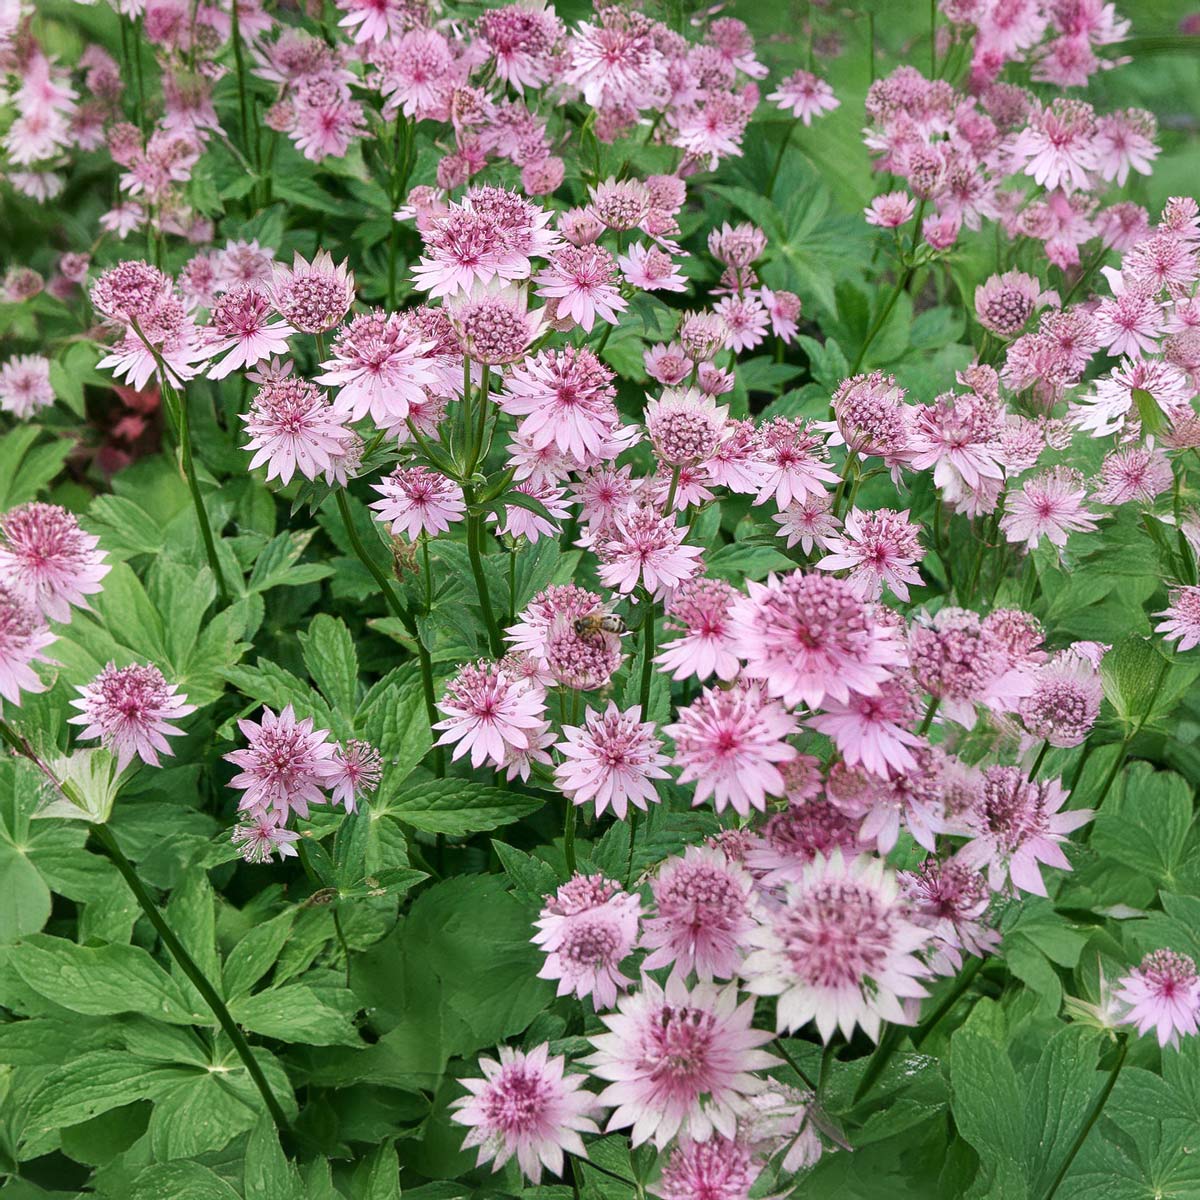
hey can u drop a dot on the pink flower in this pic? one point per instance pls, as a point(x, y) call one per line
point(376, 20)
point(912, 798)
point(415, 73)
point(523, 522)
point(495, 328)
point(871, 729)
point(1004, 303)
point(746, 321)
point(293, 426)
point(49, 559)
point(890, 211)
point(587, 929)
point(949, 899)
point(876, 548)
point(242, 330)
point(610, 760)
point(699, 609)
point(526, 1106)
point(129, 710)
point(359, 769)
point(1015, 825)
point(730, 743)
point(616, 61)
point(1163, 994)
point(1131, 322)
point(381, 365)
point(811, 636)
point(312, 297)
point(667, 364)
point(285, 766)
point(259, 835)
point(565, 398)
point(809, 522)
point(718, 1169)
point(806, 95)
point(553, 630)
point(1064, 701)
point(580, 284)
point(23, 636)
point(651, 269)
point(793, 460)
point(783, 308)
point(1049, 505)
point(1182, 615)
point(646, 548)
point(1058, 147)
point(130, 291)
point(685, 426)
point(487, 712)
point(522, 41)
point(703, 915)
point(1124, 141)
point(25, 385)
point(870, 414)
point(417, 500)
point(840, 951)
point(959, 437)
point(678, 1060)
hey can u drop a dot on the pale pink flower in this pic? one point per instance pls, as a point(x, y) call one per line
point(286, 765)
point(871, 729)
point(912, 798)
point(292, 426)
point(1064, 701)
point(717, 1169)
point(651, 269)
point(417, 500)
point(586, 930)
point(677, 1060)
point(735, 463)
point(685, 426)
point(646, 548)
point(25, 385)
point(1163, 994)
point(809, 522)
point(521, 522)
point(699, 610)
point(1137, 473)
point(130, 709)
point(580, 284)
point(495, 327)
point(703, 914)
point(746, 321)
point(949, 899)
point(701, 335)
point(553, 630)
point(1004, 303)
point(783, 308)
point(241, 329)
point(959, 437)
point(616, 60)
point(24, 636)
point(374, 20)
point(610, 760)
point(527, 1107)
point(1049, 505)
point(416, 72)
point(1058, 146)
point(488, 710)
point(891, 210)
point(1016, 824)
point(730, 744)
point(1182, 615)
point(522, 41)
point(381, 365)
point(1125, 141)
point(49, 559)
point(794, 462)
point(812, 636)
point(359, 769)
point(876, 548)
point(312, 297)
point(667, 364)
point(258, 835)
point(840, 951)
point(806, 95)
point(1110, 406)
point(870, 415)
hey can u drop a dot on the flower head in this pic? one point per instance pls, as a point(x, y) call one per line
point(417, 500)
point(1182, 623)
point(699, 609)
point(876, 548)
point(806, 95)
point(555, 630)
point(259, 835)
point(312, 297)
point(241, 329)
point(580, 283)
point(794, 464)
point(717, 1169)
point(1163, 994)
point(24, 636)
point(25, 385)
point(685, 426)
point(359, 769)
point(1049, 505)
point(647, 548)
point(488, 711)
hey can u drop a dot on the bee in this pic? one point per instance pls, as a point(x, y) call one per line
point(599, 622)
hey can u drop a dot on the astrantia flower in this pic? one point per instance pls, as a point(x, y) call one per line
point(417, 500)
point(718, 1169)
point(651, 269)
point(746, 321)
point(488, 711)
point(685, 426)
point(130, 291)
point(646, 548)
point(526, 1106)
point(520, 522)
point(890, 211)
point(521, 40)
point(611, 760)
point(286, 764)
point(359, 769)
point(699, 609)
point(1162, 994)
point(1133, 473)
point(871, 729)
point(381, 365)
point(678, 1060)
point(241, 328)
point(811, 636)
point(130, 709)
point(1049, 505)
point(580, 283)
point(1064, 701)
point(49, 559)
point(312, 297)
point(259, 835)
point(1182, 615)
point(949, 899)
point(24, 635)
point(871, 415)
point(809, 522)
point(292, 426)
point(495, 327)
point(702, 916)
point(959, 437)
point(1017, 824)
point(616, 60)
point(793, 460)
point(25, 385)
point(587, 929)
point(1058, 146)
point(840, 951)
point(730, 744)
point(552, 631)
point(806, 95)
point(1004, 303)
point(1131, 322)
point(876, 548)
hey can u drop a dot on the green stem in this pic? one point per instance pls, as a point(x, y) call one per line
point(474, 530)
point(1129, 737)
point(189, 469)
point(791, 1062)
point(569, 836)
point(881, 319)
point(235, 34)
point(927, 720)
point(1037, 762)
point(783, 145)
point(671, 492)
point(1092, 1117)
point(188, 965)
point(633, 825)
point(647, 657)
point(932, 39)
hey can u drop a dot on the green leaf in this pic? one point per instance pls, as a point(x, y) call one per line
point(1132, 673)
point(279, 563)
point(1144, 823)
point(25, 466)
point(199, 1113)
point(332, 661)
point(458, 807)
point(1149, 413)
point(255, 954)
point(295, 1013)
point(267, 1174)
point(174, 1180)
point(741, 561)
point(531, 877)
point(26, 905)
